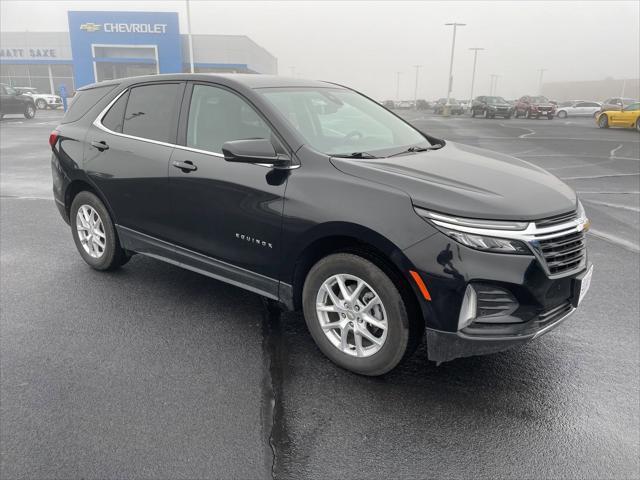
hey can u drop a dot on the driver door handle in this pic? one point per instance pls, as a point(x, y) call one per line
point(186, 166)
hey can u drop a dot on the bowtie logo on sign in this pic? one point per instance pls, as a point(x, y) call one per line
point(90, 27)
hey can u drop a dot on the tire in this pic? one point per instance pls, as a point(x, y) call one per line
point(550, 116)
point(507, 117)
point(397, 340)
point(111, 255)
point(638, 125)
point(473, 113)
point(485, 113)
point(41, 104)
point(603, 121)
point(562, 114)
point(29, 111)
point(527, 114)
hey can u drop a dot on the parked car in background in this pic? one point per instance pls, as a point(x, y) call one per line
point(390, 104)
point(617, 103)
point(491, 107)
point(628, 117)
point(534, 107)
point(42, 100)
point(454, 106)
point(423, 105)
point(381, 234)
point(578, 108)
point(404, 105)
point(11, 101)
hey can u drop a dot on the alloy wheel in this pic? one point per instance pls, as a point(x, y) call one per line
point(352, 315)
point(91, 231)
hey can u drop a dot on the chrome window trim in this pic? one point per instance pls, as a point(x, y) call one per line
point(530, 236)
point(98, 124)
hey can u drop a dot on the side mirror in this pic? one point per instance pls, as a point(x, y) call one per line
point(254, 150)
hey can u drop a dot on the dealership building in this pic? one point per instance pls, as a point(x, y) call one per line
point(105, 45)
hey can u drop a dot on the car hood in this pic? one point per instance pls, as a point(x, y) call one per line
point(542, 105)
point(469, 182)
point(498, 105)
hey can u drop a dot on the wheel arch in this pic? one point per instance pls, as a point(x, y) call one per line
point(83, 185)
point(359, 240)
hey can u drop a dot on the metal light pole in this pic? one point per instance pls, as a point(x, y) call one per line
point(453, 47)
point(494, 83)
point(415, 92)
point(541, 70)
point(189, 37)
point(473, 75)
point(398, 86)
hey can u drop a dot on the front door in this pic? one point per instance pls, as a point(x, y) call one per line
point(227, 212)
point(10, 103)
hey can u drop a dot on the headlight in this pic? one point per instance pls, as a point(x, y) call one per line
point(458, 228)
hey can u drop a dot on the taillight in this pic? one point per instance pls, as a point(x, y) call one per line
point(53, 138)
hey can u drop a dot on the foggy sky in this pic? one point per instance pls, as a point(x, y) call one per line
point(362, 44)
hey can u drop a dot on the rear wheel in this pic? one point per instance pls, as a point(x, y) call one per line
point(638, 125)
point(94, 233)
point(603, 121)
point(356, 315)
point(29, 111)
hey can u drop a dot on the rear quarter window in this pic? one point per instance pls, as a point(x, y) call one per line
point(83, 101)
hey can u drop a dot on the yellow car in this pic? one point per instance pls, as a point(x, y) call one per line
point(628, 117)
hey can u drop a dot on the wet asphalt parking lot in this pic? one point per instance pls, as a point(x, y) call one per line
point(156, 372)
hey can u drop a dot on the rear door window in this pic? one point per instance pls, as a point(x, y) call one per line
point(151, 112)
point(85, 100)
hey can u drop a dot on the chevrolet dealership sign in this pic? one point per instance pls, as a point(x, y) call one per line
point(125, 27)
point(119, 30)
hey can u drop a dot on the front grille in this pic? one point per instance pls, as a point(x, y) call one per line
point(563, 253)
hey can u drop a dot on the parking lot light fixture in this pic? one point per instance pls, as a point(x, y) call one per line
point(473, 74)
point(455, 25)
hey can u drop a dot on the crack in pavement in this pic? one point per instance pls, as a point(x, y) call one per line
point(273, 424)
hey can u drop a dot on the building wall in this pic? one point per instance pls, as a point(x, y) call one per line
point(228, 53)
point(597, 90)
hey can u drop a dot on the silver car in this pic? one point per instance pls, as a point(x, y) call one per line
point(578, 108)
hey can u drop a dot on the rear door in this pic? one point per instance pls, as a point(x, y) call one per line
point(230, 212)
point(127, 154)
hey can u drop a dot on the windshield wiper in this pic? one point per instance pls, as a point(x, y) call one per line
point(355, 155)
point(415, 149)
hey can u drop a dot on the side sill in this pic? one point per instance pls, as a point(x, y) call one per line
point(196, 262)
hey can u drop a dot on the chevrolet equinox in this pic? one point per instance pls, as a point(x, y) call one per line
point(315, 196)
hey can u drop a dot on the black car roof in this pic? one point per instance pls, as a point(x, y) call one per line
point(247, 80)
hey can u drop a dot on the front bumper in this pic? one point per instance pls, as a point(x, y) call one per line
point(516, 300)
point(445, 346)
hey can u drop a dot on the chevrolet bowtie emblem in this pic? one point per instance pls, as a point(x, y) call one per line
point(90, 27)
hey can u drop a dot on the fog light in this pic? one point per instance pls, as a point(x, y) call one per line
point(468, 308)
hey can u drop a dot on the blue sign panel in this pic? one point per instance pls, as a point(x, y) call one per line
point(151, 38)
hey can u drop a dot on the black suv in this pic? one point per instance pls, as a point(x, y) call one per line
point(11, 101)
point(491, 107)
point(315, 196)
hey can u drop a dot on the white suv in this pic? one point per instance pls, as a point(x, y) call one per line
point(42, 100)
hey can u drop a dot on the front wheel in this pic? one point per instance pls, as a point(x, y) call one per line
point(473, 113)
point(29, 111)
point(41, 104)
point(562, 114)
point(356, 315)
point(94, 233)
point(550, 116)
point(603, 121)
point(638, 125)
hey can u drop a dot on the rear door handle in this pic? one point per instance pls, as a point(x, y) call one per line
point(186, 166)
point(101, 146)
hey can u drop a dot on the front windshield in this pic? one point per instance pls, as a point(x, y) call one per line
point(496, 100)
point(539, 100)
point(338, 121)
